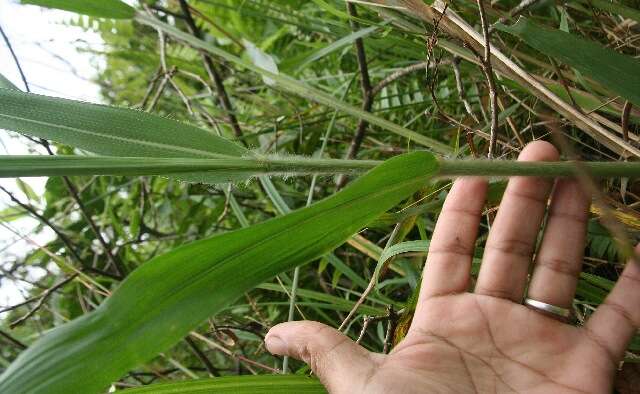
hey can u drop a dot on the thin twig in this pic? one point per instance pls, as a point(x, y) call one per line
point(624, 122)
point(115, 261)
point(488, 71)
point(213, 73)
point(15, 59)
point(461, 90)
point(512, 125)
point(564, 83)
point(515, 11)
point(391, 329)
point(12, 340)
point(41, 300)
point(213, 371)
point(150, 88)
point(367, 96)
point(232, 354)
point(374, 279)
point(67, 242)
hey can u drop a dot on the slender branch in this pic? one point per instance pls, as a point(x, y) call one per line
point(461, 90)
point(367, 96)
point(488, 71)
point(393, 238)
point(150, 88)
point(231, 354)
point(624, 122)
point(15, 59)
point(213, 371)
point(564, 83)
point(524, 4)
point(213, 73)
point(67, 242)
point(41, 300)
point(117, 264)
point(12, 340)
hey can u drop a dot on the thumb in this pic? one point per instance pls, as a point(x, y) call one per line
point(340, 364)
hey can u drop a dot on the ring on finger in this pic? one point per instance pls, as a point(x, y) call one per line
point(556, 312)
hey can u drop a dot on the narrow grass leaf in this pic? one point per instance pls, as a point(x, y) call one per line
point(336, 45)
point(614, 8)
point(617, 72)
point(160, 302)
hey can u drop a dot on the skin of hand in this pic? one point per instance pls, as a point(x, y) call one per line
point(486, 341)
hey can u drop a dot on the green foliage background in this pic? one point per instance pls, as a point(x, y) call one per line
point(312, 41)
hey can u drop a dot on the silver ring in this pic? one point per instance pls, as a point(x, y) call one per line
point(562, 314)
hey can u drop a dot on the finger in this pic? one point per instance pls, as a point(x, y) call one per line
point(448, 265)
point(559, 260)
point(618, 318)
point(332, 356)
point(512, 238)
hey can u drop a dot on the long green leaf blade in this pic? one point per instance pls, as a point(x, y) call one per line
point(613, 70)
point(336, 45)
point(108, 130)
point(160, 302)
point(610, 6)
point(272, 384)
point(99, 8)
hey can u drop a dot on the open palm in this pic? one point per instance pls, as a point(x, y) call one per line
point(487, 341)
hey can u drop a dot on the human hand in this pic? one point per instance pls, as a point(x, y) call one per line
point(487, 341)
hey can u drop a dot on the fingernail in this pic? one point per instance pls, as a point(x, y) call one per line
point(275, 345)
